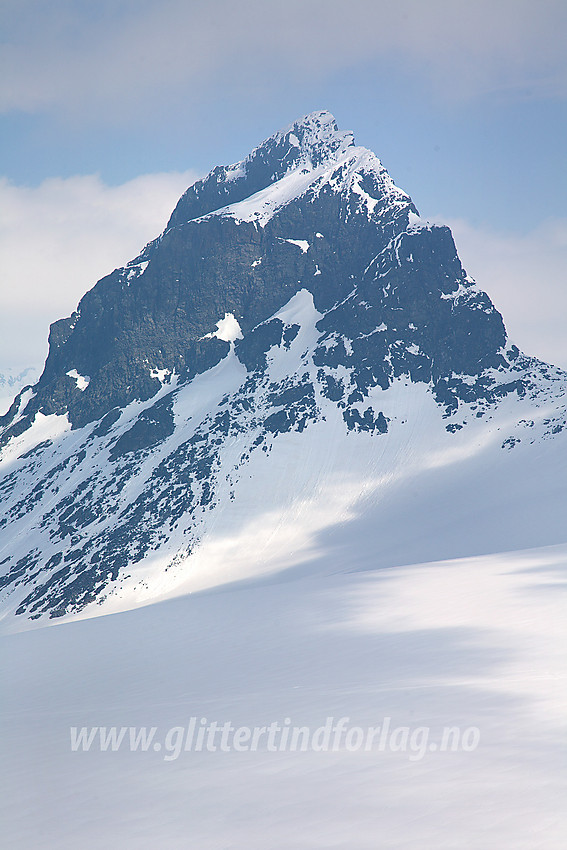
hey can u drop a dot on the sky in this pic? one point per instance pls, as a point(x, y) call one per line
point(109, 110)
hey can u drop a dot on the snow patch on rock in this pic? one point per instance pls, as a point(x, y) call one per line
point(82, 381)
point(228, 329)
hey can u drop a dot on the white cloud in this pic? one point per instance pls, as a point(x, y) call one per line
point(58, 239)
point(526, 278)
point(129, 55)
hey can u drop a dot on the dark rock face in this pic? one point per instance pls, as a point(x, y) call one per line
point(316, 219)
point(151, 427)
point(414, 312)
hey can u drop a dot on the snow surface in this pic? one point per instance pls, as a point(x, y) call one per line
point(43, 428)
point(477, 642)
point(234, 172)
point(161, 374)
point(228, 329)
point(415, 222)
point(301, 243)
point(135, 270)
point(82, 381)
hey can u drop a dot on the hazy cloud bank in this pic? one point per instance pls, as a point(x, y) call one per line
point(111, 58)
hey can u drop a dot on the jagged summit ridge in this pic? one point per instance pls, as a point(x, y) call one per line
point(311, 140)
point(311, 152)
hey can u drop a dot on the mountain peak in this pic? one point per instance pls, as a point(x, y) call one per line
point(313, 138)
point(307, 143)
point(296, 331)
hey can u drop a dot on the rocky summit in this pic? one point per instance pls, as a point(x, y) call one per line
point(296, 348)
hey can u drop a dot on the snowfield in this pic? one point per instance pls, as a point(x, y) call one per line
point(475, 642)
point(402, 581)
point(305, 602)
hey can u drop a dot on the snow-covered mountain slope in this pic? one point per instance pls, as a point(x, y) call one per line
point(298, 354)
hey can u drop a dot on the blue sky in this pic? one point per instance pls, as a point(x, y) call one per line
point(110, 109)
